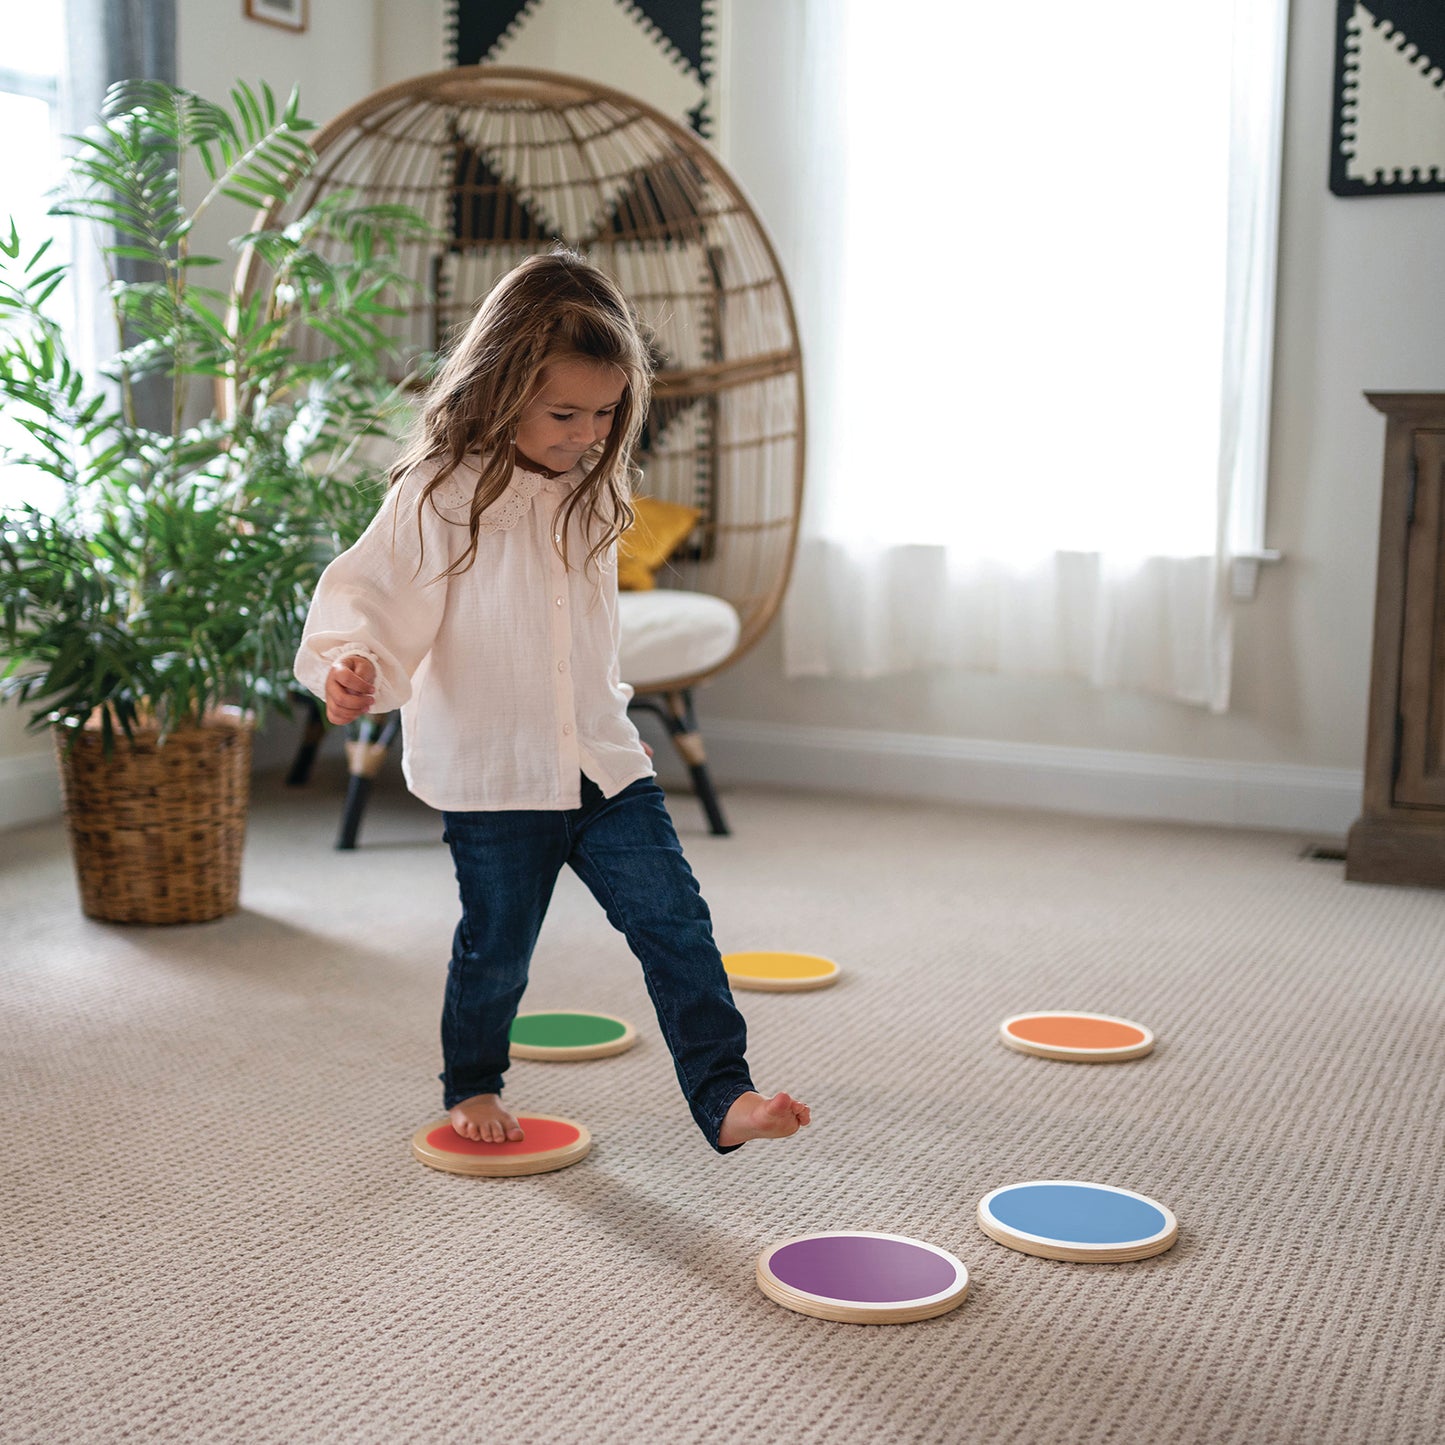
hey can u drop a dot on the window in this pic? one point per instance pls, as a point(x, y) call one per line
point(1043, 244)
point(1040, 264)
point(30, 168)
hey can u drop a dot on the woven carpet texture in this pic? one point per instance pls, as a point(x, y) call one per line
point(212, 1228)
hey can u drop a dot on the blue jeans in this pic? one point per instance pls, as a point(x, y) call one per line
point(627, 853)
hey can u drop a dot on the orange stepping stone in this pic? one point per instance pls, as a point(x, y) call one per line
point(1079, 1038)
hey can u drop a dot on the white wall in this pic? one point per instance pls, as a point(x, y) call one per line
point(29, 787)
point(333, 60)
point(1359, 307)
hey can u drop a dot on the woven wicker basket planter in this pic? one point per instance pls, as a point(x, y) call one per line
point(157, 828)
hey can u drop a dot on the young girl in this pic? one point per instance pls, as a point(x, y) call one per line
point(482, 601)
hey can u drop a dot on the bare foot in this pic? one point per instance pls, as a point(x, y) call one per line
point(483, 1118)
point(754, 1117)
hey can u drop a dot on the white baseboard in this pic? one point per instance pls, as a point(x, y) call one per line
point(1322, 801)
point(29, 789)
point(1318, 801)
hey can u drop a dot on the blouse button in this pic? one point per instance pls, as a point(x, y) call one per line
point(561, 667)
point(559, 602)
point(567, 729)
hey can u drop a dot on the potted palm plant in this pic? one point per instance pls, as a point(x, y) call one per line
point(151, 616)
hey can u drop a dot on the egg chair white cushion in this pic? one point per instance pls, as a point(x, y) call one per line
point(668, 635)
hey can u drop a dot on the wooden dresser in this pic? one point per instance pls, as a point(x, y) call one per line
point(1400, 835)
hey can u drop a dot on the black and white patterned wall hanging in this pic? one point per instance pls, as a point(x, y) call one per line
point(1389, 104)
point(660, 52)
point(657, 50)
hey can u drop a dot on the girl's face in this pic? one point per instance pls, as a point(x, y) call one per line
point(571, 412)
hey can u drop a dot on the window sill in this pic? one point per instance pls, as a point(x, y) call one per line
point(1244, 572)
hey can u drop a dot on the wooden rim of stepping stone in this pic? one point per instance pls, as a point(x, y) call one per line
point(861, 1276)
point(1076, 1038)
point(550, 1143)
point(780, 972)
point(568, 1035)
point(1075, 1220)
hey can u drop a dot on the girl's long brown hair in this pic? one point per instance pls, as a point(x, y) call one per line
point(556, 307)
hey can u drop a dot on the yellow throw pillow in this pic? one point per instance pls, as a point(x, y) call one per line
point(657, 531)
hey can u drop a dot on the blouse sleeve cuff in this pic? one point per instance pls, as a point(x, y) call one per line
point(314, 663)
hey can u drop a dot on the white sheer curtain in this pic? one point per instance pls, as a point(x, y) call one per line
point(1036, 291)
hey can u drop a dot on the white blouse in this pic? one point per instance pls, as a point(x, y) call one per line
point(506, 674)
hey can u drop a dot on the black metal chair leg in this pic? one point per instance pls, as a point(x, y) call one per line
point(677, 716)
point(364, 757)
point(358, 790)
point(707, 796)
point(311, 736)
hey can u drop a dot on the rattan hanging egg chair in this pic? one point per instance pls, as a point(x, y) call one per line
point(506, 162)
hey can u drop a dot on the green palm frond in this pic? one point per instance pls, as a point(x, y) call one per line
point(176, 574)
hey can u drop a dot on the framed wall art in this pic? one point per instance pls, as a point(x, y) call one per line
point(288, 14)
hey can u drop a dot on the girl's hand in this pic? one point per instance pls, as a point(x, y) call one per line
point(350, 689)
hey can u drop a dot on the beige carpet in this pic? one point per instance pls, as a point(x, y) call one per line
point(211, 1227)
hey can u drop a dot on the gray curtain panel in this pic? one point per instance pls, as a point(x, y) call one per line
point(110, 40)
point(107, 41)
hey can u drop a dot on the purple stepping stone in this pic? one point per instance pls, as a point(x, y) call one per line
point(863, 1268)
